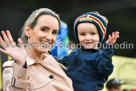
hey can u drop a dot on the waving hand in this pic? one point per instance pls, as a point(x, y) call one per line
point(10, 48)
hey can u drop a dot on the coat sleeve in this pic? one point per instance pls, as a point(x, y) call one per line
point(15, 77)
point(104, 60)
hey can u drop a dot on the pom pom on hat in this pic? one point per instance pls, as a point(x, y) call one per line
point(93, 17)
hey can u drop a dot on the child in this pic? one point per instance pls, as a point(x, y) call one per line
point(88, 66)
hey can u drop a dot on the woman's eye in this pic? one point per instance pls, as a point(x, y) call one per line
point(44, 29)
point(54, 32)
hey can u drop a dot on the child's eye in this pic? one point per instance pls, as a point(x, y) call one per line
point(82, 34)
point(93, 33)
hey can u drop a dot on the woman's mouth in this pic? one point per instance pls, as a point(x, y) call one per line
point(44, 45)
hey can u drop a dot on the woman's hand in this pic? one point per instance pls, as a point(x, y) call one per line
point(10, 48)
point(112, 38)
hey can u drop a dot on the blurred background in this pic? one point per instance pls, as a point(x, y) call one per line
point(120, 13)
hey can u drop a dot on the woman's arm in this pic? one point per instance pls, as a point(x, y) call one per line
point(15, 77)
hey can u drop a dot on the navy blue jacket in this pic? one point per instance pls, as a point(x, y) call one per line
point(89, 69)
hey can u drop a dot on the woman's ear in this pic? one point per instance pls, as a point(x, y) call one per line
point(27, 30)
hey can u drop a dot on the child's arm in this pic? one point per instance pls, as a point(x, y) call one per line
point(104, 59)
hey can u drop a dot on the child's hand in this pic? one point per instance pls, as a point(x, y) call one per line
point(112, 39)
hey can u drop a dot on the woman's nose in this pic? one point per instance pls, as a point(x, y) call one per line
point(49, 36)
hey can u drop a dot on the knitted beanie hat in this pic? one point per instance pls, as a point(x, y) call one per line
point(93, 17)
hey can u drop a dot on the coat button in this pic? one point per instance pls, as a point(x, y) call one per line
point(51, 76)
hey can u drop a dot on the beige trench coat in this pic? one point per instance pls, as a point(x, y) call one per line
point(38, 76)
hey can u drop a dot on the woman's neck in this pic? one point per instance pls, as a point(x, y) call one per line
point(35, 55)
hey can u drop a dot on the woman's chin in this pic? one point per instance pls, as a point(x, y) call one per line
point(45, 50)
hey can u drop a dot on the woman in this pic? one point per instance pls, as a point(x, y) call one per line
point(32, 68)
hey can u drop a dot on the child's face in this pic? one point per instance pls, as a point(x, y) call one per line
point(88, 35)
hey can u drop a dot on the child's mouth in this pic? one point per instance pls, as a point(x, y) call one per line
point(88, 42)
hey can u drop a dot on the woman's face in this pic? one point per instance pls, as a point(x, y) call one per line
point(43, 35)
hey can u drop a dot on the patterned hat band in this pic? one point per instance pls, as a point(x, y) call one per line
point(98, 20)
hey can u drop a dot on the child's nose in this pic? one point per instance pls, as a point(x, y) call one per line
point(88, 37)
